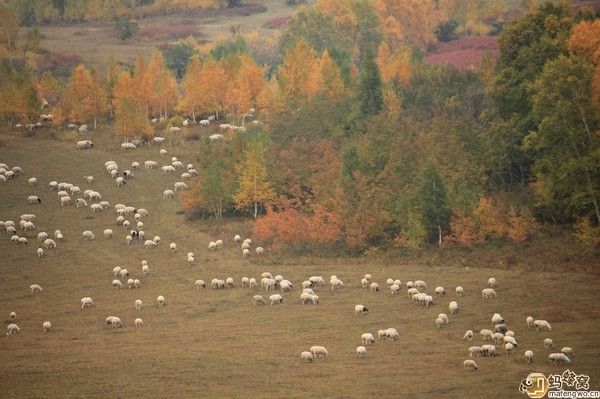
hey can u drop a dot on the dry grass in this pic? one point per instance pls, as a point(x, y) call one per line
point(215, 343)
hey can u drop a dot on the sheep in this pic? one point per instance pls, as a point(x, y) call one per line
point(115, 322)
point(440, 291)
point(215, 137)
point(253, 283)
point(190, 260)
point(58, 235)
point(485, 334)
point(156, 239)
point(79, 202)
point(138, 323)
point(177, 164)
point(453, 307)
point(13, 316)
point(305, 298)
point(558, 358)
point(510, 333)
point(35, 288)
point(40, 253)
point(474, 350)
point(470, 365)
point(123, 273)
point(199, 284)
point(529, 321)
point(420, 285)
point(83, 128)
point(33, 199)
point(398, 282)
point(529, 356)
point(306, 356)
point(12, 328)
point(145, 269)
point(361, 351)
point(444, 317)
point(108, 233)
point(128, 146)
point(497, 319)
point(138, 304)
point(439, 323)
point(86, 302)
point(412, 292)
point(276, 299)
point(258, 300)
point(88, 179)
point(85, 145)
point(319, 352)
point(130, 283)
point(32, 182)
point(179, 186)
point(229, 282)
point(53, 185)
point(492, 282)
point(160, 301)
point(374, 287)
point(260, 250)
point(542, 325)
point(336, 283)
point(361, 309)
point(316, 280)
point(245, 253)
point(364, 283)
point(488, 350)
point(394, 288)
point(128, 239)
point(501, 328)
point(285, 285)
point(168, 194)
point(488, 293)
point(42, 236)
point(392, 334)
point(88, 235)
point(468, 335)
point(149, 244)
point(509, 348)
point(117, 284)
point(498, 338)
point(245, 281)
point(219, 244)
point(237, 238)
point(548, 343)
point(120, 181)
point(46, 326)
point(268, 283)
point(28, 217)
point(23, 241)
point(367, 339)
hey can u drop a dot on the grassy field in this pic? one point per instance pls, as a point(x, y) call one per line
point(214, 343)
point(96, 42)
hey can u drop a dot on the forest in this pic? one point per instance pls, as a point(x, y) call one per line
point(346, 137)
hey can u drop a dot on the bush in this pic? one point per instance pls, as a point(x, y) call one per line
point(126, 29)
point(446, 31)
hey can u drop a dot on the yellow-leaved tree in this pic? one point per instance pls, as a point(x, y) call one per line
point(130, 117)
point(191, 101)
point(163, 87)
point(295, 72)
point(254, 189)
point(85, 98)
point(327, 79)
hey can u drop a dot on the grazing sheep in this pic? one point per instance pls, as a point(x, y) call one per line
point(498, 338)
point(319, 352)
point(35, 288)
point(86, 302)
point(58, 235)
point(468, 335)
point(179, 186)
point(87, 235)
point(558, 358)
point(488, 293)
point(145, 269)
point(108, 233)
point(23, 240)
point(34, 199)
point(394, 288)
point(238, 239)
point(542, 325)
point(245, 281)
point(492, 282)
point(12, 328)
point(509, 348)
point(367, 339)
point(117, 284)
point(84, 145)
point(361, 351)
point(474, 351)
point(374, 287)
point(453, 307)
point(488, 350)
point(316, 280)
point(199, 284)
point(88, 179)
point(160, 301)
point(138, 323)
point(361, 309)
point(258, 300)
point(440, 291)
point(260, 250)
point(276, 299)
point(138, 304)
point(13, 316)
point(497, 319)
point(548, 343)
point(245, 253)
point(529, 321)
point(485, 334)
point(40, 252)
point(173, 247)
point(32, 182)
point(79, 202)
point(306, 356)
point(128, 239)
point(42, 236)
point(439, 323)
point(49, 243)
point(470, 365)
point(46, 326)
point(149, 244)
point(529, 356)
point(336, 283)
point(168, 194)
point(116, 270)
point(567, 350)
point(123, 273)
point(253, 283)
point(420, 285)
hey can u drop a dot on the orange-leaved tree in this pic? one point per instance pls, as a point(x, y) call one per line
point(85, 97)
point(191, 101)
point(130, 116)
point(163, 87)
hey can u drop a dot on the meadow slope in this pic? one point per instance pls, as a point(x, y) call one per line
point(214, 343)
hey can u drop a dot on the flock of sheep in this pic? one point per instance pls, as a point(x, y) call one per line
point(69, 194)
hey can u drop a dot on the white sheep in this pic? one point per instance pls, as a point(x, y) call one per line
point(509, 348)
point(453, 307)
point(492, 282)
point(253, 283)
point(42, 236)
point(468, 335)
point(529, 356)
point(33, 199)
point(474, 350)
point(440, 291)
point(367, 339)
point(558, 358)
point(138, 304)
point(46, 326)
point(86, 302)
point(32, 182)
point(245, 253)
point(488, 293)
point(361, 309)
point(485, 334)
point(529, 321)
point(138, 323)
point(548, 343)
point(497, 319)
point(258, 300)
point(35, 288)
point(319, 352)
point(173, 247)
point(237, 238)
point(488, 350)
point(40, 252)
point(116, 270)
point(199, 284)
point(145, 269)
point(13, 316)
point(420, 285)
point(395, 289)
point(179, 186)
point(374, 287)
point(470, 365)
point(168, 194)
point(361, 351)
point(123, 273)
point(108, 233)
point(276, 299)
point(117, 284)
point(88, 235)
point(12, 328)
point(306, 356)
point(542, 325)
point(149, 244)
point(161, 301)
